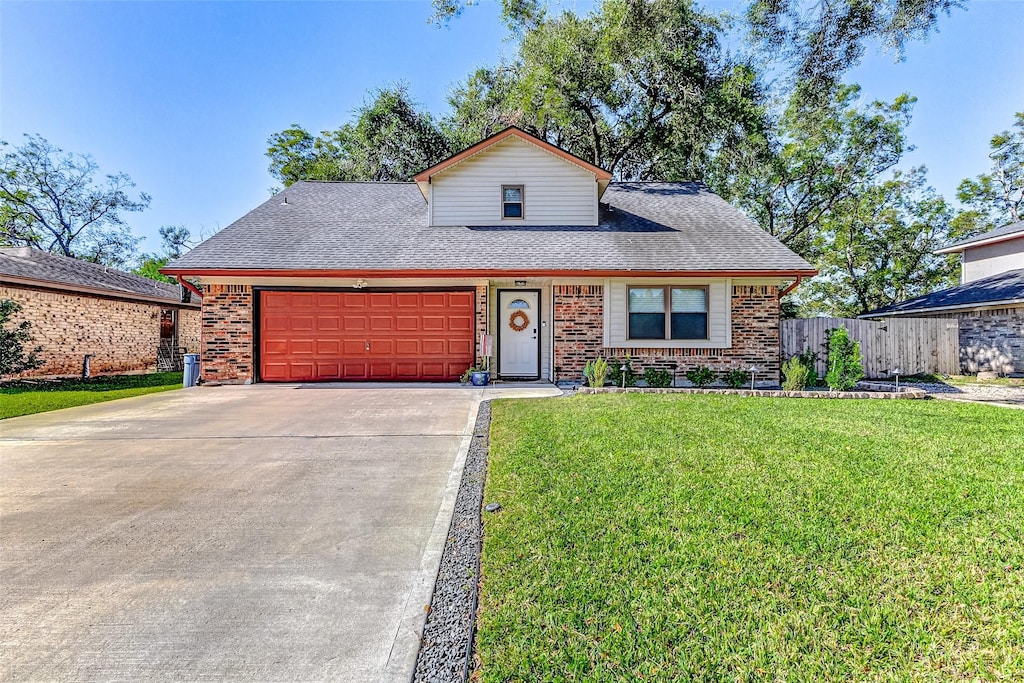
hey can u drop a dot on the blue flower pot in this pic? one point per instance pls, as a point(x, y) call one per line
point(480, 378)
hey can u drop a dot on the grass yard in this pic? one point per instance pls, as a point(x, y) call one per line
point(654, 537)
point(26, 397)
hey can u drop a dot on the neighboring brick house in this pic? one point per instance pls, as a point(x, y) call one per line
point(512, 249)
point(988, 305)
point(78, 308)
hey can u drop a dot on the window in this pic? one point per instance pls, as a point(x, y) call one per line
point(511, 201)
point(518, 303)
point(668, 313)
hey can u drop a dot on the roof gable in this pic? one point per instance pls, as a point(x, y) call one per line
point(422, 178)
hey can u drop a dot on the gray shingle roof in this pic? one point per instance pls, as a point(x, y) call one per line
point(997, 232)
point(383, 226)
point(24, 263)
point(995, 289)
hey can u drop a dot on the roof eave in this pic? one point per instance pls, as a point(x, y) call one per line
point(479, 272)
point(958, 248)
point(956, 307)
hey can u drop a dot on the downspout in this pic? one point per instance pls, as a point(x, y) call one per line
point(791, 287)
point(189, 286)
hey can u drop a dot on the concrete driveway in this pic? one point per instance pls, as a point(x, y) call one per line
point(263, 533)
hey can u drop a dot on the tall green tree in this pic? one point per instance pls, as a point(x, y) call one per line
point(996, 198)
point(175, 241)
point(644, 90)
point(49, 199)
point(877, 247)
point(390, 139)
point(812, 162)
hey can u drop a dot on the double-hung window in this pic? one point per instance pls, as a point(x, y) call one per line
point(511, 201)
point(668, 313)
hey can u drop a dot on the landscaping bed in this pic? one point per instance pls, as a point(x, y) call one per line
point(25, 397)
point(868, 392)
point(680, 537)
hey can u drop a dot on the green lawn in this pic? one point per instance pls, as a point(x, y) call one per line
point(27, 397)
point(654, 537)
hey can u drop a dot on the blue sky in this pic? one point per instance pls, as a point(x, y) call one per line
point(183, 95)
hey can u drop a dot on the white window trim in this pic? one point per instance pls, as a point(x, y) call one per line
point(714, 316)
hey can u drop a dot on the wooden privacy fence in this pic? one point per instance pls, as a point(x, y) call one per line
point(914, 345)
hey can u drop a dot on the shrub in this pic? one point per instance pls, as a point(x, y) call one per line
point(13, 358)
point(700, 376)
point(619, 377)
point(596, 371)
point(809, 359)
point(656, 377)
point(795, 374)
point(844, 364)
point(736, 379)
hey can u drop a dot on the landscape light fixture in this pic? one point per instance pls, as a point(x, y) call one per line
point(753, 374)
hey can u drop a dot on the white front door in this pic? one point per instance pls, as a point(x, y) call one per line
point(519, 333)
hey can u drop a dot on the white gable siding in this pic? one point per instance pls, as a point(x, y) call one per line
point(555, 191)
point(992, 259)
point(616, 314)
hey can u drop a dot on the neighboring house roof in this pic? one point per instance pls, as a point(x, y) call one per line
point(422, 178)
point(1003, 289)
point(38, 268)
point(317, 228)
point(1007, 232)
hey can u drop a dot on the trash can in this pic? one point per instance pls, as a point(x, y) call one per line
point(191, 376)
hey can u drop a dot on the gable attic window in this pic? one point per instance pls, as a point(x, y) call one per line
point(668, 313)
point(511, 201)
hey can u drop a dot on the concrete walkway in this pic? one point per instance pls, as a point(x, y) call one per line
point(229, 533)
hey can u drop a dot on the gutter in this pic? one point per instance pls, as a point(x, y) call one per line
point(791, 287)
point(480, 272)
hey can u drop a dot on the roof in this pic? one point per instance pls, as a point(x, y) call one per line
point(370, 228)
point(35, 267)
point(1003, 289)
point(1007, 232)
point(423, 177)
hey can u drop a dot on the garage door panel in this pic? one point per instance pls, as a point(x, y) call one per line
point(309, 336)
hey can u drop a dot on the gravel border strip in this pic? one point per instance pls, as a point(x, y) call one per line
point(447, 641)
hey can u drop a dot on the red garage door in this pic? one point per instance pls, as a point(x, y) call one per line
point(311, 336)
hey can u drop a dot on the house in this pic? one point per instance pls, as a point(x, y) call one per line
point(512, 250)
point(124, 322)
point(989, 304)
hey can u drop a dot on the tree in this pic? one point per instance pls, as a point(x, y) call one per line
point(877, 248)
point(996, 198)
point(13, 358)
point(643, 90)
point(814, 161)
point(390, 139)
point(819, 41)
point(49, 200)
point(176, 240)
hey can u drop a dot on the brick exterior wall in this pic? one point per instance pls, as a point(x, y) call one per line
point(122, 336)
point(992, 341)
point(579, 319)
point(481, 323)
point(190, 329)
point(227, 337)
point(989, 341)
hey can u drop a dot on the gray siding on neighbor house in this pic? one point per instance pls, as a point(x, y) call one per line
point(992, 259)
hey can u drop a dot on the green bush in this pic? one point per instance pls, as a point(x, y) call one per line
point(700, 376)
point(736, 379)
point(596, 371)
point(795, 374)
point(809, 359)
point(617, 376)
point(14, 357)
point(656, 377)
point(844, 361)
